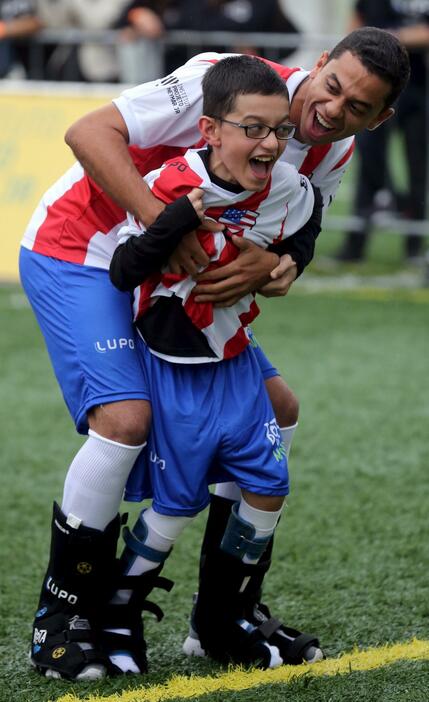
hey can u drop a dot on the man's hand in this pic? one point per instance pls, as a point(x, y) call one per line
point(282, 278)
point(226, 285)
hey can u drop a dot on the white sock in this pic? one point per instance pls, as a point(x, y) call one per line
point(287, 436)
point(96, 479)
point(163, 531)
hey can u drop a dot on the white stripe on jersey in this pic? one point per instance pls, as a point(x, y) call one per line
point(55, 193)
point(101, 247)
point(165, 111)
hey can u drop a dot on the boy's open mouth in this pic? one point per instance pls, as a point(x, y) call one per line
point(262, 166)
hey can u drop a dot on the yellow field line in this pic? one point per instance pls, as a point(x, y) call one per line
point(236, 680)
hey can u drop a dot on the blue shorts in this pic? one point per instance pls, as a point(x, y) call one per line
point(211, 422)
point(88, 330)
point(267, 370)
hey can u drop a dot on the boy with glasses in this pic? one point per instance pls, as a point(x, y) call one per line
point(212, 419)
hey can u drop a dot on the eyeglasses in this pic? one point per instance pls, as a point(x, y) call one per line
point(261, 131)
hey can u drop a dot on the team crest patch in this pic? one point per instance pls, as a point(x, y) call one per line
point(58, 652)
point(84, 568)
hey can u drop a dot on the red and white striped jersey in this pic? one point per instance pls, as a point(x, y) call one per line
point(77, 221)
point(266, 217)
point(166, 111)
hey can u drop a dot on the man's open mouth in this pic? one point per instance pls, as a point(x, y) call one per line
point(320, 122)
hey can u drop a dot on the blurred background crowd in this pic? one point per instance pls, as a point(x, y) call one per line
point(119, 41)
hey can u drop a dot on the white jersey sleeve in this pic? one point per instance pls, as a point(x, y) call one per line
point(167, 111)
point(331, 173)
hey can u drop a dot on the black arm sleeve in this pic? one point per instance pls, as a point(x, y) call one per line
point(142, 255)
point(300, 246)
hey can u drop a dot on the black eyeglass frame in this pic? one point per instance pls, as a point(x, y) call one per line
point(246, 128)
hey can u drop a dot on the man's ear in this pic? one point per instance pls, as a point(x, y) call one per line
point(209, 128)
point(320, 63)
point(381, 117)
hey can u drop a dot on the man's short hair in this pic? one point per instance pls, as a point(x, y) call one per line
point(381, 53)
point(238, 75)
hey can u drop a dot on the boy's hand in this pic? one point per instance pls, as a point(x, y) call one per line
point(196, 199)
point(226, 285)
point(282, 278)
point(189, 256)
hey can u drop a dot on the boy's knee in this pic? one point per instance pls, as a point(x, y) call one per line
point(266, 503)
point(127, 421)
point(284, 401)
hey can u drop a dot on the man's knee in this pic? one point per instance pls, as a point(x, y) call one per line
point(126, 422)
point(284, 401)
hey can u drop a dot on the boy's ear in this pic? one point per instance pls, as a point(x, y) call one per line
point(210, 130)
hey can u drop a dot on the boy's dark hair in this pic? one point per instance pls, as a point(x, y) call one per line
point(238, 75)
point(381, 53)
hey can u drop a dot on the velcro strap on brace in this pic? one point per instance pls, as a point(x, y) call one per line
point(141, 549)
point(269, 627)
point(239, 538)
point(153, 609)
point(72, 636)
point(144, 584)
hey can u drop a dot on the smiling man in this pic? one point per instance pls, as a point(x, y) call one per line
point(64, 265)
point(342, 95)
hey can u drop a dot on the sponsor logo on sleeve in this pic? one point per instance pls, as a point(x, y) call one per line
point(272, 432)
point(114, 345)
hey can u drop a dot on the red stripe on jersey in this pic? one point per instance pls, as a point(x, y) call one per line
point(313, 158)
point(251, 203)
point(345, 158)
point(146, 290)
point(255, 199)
point(247, 317)
point(201, 313)
point(239, 341)
point(199, 145)
point(73, 219)
point(236, 344)
point(84, 209)
point(146, 160)
point(169, 185)
point(206, 240)
point(278, 238)
point(284, 71)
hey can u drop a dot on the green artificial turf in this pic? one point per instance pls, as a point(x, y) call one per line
point(351, 556)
